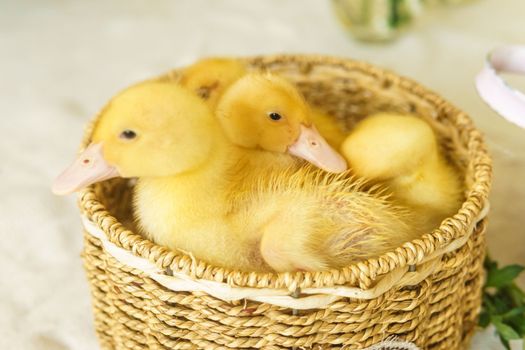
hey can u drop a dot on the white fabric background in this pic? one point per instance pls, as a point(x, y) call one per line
point(62, 59)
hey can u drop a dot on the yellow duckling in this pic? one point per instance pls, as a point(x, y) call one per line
point(267, 112)
point(186, 195)
point(209, 78)
point(402, 152)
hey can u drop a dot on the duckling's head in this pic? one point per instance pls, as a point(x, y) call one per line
point(209, 77)
point(267, 112)
point(149, 130)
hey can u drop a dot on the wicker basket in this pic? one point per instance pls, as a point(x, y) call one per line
point(427, 291)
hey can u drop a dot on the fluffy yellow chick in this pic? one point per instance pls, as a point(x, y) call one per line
point(266, 112)
point(187, 199)
point(402, 152)
point(209, 77)
point(167, 137)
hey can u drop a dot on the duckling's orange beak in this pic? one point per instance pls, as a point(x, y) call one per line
point(88, 168)
point(312, 147)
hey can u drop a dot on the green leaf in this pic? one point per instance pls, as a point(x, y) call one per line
point(504, 276)
point(502, 305)
point(518, 323)
point(519, 311)
point(515, 294)
point(484, 319)
point(506, 332)
point(488, 304)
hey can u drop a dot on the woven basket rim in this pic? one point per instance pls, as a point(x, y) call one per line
point(360, 274)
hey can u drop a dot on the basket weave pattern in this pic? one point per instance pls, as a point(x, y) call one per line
point(438, 311)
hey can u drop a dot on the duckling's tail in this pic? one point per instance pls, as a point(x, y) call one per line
point(329, 221)
point(366, 226)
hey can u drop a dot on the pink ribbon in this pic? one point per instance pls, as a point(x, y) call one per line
point(505, 100)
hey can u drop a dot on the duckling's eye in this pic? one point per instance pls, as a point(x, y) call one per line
point(128, 134)
point(274, 116)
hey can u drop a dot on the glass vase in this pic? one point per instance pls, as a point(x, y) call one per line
point(377, 20)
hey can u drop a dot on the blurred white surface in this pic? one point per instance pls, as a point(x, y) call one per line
point(61, 60)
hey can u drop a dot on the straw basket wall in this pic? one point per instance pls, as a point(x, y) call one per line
point(427, 291)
